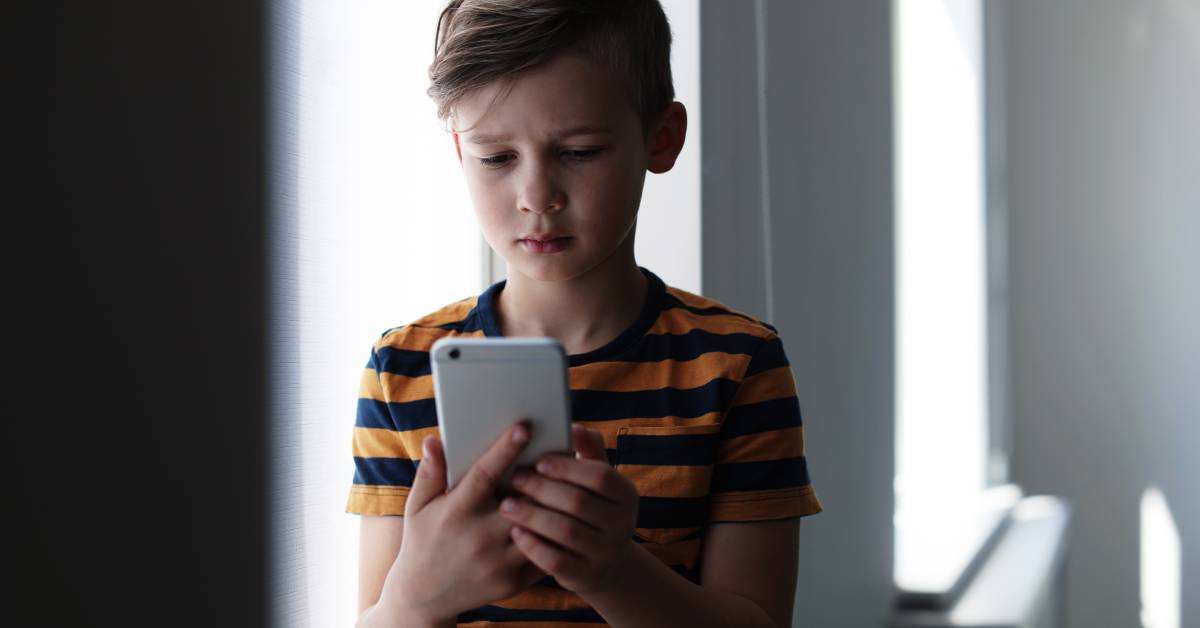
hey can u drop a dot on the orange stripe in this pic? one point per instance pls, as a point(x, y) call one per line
point(419, 338)
point(451, 313)
point(402, 388)
point(368, 385)
point(682, 321)
point(694, 300)
point(773, 445)
point(543, 598)
point(763, 505)
point(632, 376)
point(377, 442)
point(377, 500)
point(668, 480)
point(776, 383)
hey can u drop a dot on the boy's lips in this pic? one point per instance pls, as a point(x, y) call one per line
point(545, 242)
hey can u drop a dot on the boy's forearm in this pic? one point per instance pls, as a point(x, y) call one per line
point(649, 594)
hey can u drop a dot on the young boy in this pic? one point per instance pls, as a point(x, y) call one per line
point(681, 505)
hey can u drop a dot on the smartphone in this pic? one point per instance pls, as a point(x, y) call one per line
point(482, 386)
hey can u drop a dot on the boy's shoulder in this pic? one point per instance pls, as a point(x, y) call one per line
point(419, 335)
point(699, 312)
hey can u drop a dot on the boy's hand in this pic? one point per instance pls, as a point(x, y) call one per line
point(577, 516)
point(456, 552)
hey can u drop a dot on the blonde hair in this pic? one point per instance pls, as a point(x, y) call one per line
point(480, 41)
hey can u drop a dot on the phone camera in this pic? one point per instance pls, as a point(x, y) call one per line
point(454, 354)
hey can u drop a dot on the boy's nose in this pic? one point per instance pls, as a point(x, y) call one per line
point(541, 195)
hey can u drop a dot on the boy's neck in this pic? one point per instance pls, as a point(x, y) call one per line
point(584, 313)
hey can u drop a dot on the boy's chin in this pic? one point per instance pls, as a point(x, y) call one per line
point(547, 270)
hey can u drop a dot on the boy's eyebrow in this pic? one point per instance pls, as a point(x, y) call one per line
point(583, 129)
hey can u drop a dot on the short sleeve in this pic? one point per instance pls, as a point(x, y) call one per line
point(761, 472)
point(384, 466)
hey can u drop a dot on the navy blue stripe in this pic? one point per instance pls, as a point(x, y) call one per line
point(388, 331)
point(670, 301)
point(760, 476)
point(689, 346)
point(763, 416)
point(672, 512)
point(372, 413)
point(652, 348)
point(688, 449)
point(404, 362)
point(413, 415)
point(372, 363)
point(499, 614)
point(385, 471)
point(770, 355)
point(470, 323)
point(600, 405)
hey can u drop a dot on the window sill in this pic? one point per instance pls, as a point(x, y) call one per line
point(1017, 584)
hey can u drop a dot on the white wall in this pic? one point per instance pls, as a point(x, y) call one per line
point(668, 231)
point(807, 244)
point(1104, 161)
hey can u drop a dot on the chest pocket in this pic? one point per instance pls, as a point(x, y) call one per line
point(671, 467)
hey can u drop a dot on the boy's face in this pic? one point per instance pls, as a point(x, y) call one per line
point(555, 167)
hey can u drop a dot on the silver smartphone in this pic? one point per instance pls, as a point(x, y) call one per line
point(484, 385)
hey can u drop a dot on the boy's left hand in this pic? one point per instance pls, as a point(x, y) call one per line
point(576, 516)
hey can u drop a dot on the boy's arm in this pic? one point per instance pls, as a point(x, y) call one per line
point(747, 575)
point(378, 544)
point(379, 539)
point(575, 521)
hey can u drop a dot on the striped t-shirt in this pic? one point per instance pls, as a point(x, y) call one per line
point(696, 404)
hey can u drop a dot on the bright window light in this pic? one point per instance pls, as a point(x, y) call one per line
point(941, 377)
point(384, 234)
point(1161, 566)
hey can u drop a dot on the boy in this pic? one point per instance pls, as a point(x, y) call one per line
point(681, 505)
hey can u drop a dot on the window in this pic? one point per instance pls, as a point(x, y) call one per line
point(942, 405)
point(372, 227)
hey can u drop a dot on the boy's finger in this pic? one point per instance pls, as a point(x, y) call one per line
point(589, 445)
point(483, 478)
point(431, 476)
point(542, 554)
point(594, 475)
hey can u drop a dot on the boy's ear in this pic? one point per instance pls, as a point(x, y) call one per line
point(666, 138)
point(457, 148)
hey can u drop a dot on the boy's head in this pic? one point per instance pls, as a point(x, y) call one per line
point(481, 41)
point(558, 108)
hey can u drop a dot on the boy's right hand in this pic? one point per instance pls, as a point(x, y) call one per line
point(457, 552)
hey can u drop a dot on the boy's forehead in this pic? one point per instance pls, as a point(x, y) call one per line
point(569, 95)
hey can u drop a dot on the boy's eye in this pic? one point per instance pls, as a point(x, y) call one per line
point(495, 161)
point(581, 153)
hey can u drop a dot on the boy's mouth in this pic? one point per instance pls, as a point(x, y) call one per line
point(545, 243)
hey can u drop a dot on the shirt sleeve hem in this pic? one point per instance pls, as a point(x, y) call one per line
point(764, 505)
point(377, 500)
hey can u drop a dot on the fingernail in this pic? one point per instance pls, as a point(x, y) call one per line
point(545, 466)
point(508, 505)
point(425, 449)
point(519, 435)
point(519, 479)
point(517, 532)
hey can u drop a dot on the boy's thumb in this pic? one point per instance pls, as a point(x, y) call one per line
point(589, 445)
point(431, 476)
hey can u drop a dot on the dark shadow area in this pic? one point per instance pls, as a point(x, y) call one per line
point(135, 426)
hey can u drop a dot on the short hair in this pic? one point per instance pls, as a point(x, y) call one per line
point(480, 41)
